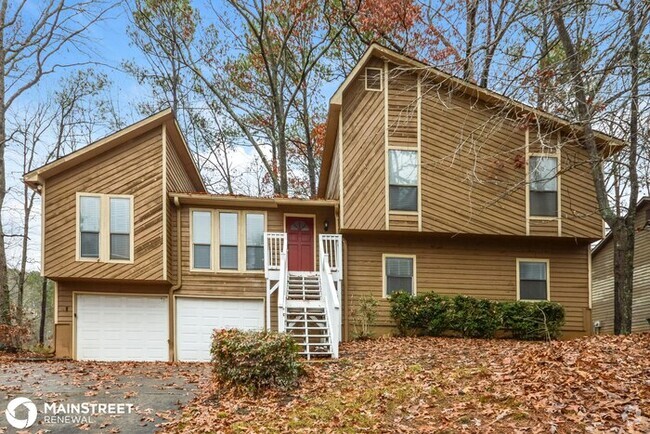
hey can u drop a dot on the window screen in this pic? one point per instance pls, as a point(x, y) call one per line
point(228, 248)
point(403, 180)
point(533, 281)
point(399, 275)
point(89, 211)
point(202, 239)
point(120, 224)
point(543, 186)
point(373, 79)
point(254, 241)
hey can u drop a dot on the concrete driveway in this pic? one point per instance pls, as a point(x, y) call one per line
point(124, 397)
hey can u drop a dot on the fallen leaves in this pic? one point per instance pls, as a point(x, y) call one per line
point(593, 384)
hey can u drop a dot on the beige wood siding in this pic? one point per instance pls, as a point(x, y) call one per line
point(602, 267)
point(242, 284)
point(363, 157)
point(134, 168)
point(473, 161)
point(178, 181)
point(332, 191)
point(484, 268)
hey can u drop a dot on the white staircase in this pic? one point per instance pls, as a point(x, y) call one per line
point(309, 303)
point(306, 315)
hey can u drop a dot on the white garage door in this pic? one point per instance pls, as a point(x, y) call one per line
point(196, 319)
point(122, 327)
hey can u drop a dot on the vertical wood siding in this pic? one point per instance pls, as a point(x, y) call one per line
point(603, 281)
point(481, 268)
point(134, 168)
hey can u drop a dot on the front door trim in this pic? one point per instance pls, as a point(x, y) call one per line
point(313, 217)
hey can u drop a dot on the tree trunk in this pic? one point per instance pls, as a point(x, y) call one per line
point(4, 284)
point(41, 328)
point(623, 276)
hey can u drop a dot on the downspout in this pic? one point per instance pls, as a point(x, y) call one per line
point(179, 281)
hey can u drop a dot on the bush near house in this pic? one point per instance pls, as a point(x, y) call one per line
point(254, 361)
point(433, 314)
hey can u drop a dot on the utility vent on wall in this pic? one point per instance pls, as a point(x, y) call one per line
point(373, 79)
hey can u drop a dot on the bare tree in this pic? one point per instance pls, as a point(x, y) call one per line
point(32, 36)
point(591, 92)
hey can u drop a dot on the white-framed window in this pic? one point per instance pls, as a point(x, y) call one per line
point(227, 240)
point(399, 274)
point(201, 240)
point(104, 227)
point(89, 226)
point(255, 241)
point(120, 228)
point(533, 281)
point(403, 180)
point(373, 79)
point(543, 186)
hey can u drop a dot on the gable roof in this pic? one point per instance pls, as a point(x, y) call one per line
point(642, 203)
point(166, 117)
point(610, 144)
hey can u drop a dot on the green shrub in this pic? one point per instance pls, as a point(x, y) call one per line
point(433, 314)
point(427, 313)
point(533, 320)
point(255, 361)
point(364, 317)
point(474, 317)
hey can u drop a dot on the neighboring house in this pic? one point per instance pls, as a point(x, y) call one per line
point(603, 277)
point(424, 187)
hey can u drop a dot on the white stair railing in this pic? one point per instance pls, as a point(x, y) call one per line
point(275, 262)
point(282, 292)
point(331, 298)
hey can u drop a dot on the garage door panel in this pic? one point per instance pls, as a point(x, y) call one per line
point(122, 327)
point(197, 318)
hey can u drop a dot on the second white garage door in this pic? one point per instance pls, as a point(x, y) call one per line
point(196, 319)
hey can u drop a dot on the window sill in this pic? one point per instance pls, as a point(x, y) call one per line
point(542, 218)
point(397, 212)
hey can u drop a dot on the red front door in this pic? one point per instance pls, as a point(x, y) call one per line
point(300, 242)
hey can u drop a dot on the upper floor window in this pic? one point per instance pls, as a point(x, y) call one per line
point(105, 228)
point(403, 180)
point(373, 79)
point(89, 224)
point(543, 193)
point(533, 281)
point(239, 236)
point(120, 224)
point(399, 274)
point(202, 240)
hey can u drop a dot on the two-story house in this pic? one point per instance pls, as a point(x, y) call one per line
point(428, 183)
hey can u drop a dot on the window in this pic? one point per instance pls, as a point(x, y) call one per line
point(373, 79)
point(89, 224)
point(543, 186)
point(120, 224)
point(228, 235)
point(227, 230)
point(105, 227)
point(254, 241)
point(399, 273)
point(403, 180)
point(201, 240)
point(533, 280)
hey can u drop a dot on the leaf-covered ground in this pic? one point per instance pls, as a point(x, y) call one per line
point(597, 384)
